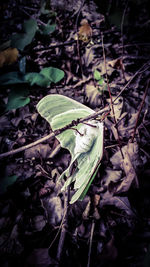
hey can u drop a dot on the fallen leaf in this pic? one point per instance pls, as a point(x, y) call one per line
point(39, 151)
point(133, 151)
point(118, 106)
point(121, 203)
point(117, 64)
point(93, 95)
point(54, 208)
point(40, 257)
point(85, 31)
point(8, 56)
point(111, 176)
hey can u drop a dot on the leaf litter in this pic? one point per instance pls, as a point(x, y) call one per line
point(32, 207)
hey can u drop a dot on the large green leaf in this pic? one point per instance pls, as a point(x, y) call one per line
point(17, 98)
point(53, 74)
point(59, 111)
point(21, 40)
point(37, 78)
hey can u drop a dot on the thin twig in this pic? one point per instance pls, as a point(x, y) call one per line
point(90, 245)
point(63, 227)
point(55, 133)
point(55, 45)
point(20, 149)
point(111, 100)
point(131, 79)
point(140, 109)
point(76, 30)
point(122, 39)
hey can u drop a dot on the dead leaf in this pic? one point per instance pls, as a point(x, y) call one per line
point(93, 95)
point(121, 203)
point(111, 176)
point(118, 106)
point(54, 208)
point(39, 151)
point(39, 257)
point(109, 252)
point(85, 31)
point(117, 64)
point(8, 56)
point(133, 151)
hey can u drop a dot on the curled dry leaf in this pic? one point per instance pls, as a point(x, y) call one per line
point(85, 31)
point(118, 105)
point(121, 203)
point(131, 177)
point(133, 151)
point(117, 64)
point(8, 56)
point(93, 95)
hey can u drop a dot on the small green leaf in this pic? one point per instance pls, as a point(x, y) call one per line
point(97, 75)
point(17, 98)
point(5, 182)
point(14, 77)
point(101, 81)
point(37, 78)
point(53, 74)
point(21, 40)
point(47, 29)
point(30, 26)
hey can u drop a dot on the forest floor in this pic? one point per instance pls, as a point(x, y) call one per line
point(103, 54)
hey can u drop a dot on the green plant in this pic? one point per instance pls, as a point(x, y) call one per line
point(102, 86)
point(19, 97)
point(84, 141)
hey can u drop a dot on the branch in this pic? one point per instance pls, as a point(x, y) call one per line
point(55, 133)
point(111, 100)
point(139, 112)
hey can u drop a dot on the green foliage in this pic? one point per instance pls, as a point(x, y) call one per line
point(5, 182)
point(47, 29)
point(17, 98)
point(102, 86)
point(13, 77)
point(21, 40)
point(43, 78)
point(53, 74)
point(59, 111)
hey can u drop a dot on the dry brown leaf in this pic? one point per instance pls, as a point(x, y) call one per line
point(85, 31)
point(116, 64)
point(131, 177)
point(39, 151)
point(118, 106)
point(8, 56)
point(93, 95)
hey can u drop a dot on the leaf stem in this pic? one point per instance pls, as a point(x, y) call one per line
point(111, 100)
point(140, 109)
